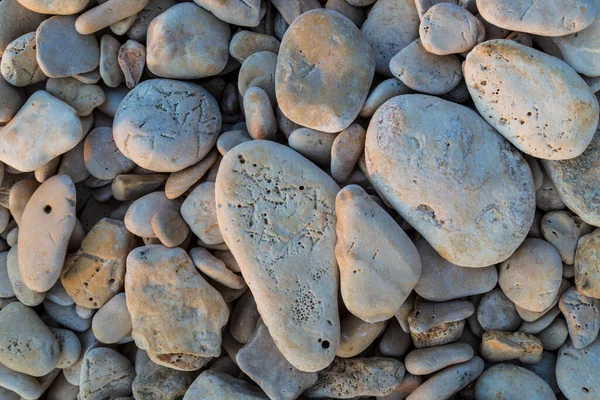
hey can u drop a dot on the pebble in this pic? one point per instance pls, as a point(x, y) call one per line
point(435, 324)
point(346, 149)
point(531, 316)
point(106, 14)
point(244, 318)
point(166, 133)
point(511, 382)
point(61, 389)
point(555, 335)
point(132, 59)
point(575, 371)
point(110, 70)
point(498, 346)
point(540, 324)
point(557, 19)
point(305, 331)
point(211, 385)
point(96, 272)
point(245, 43)
point(67, 316)
point(179, 182)
point(139, 28)
point(174, 311)
point(170, 227)
point(112, 322)
point(441, 280)
point(574, 181)
point(25, 295)
point(83, 98)
point(315, 145)
point(357, 335)
point(24, 386)
point(260, 118)
point(160, 383)
point(57, 294)
point(264, 364)
point(381, 93)
point(292, 10)
point(16, 20)
point(57, 36)
point(563, 230)
point(200, 212)
point(547, 197)
point(587, 265)
point(138, 218)
point(19, 196)
point(497, 312)
point(46, 225)
point(19, 65)
point(432, 359)
point(215, 269)
point(237, 12)
point(73, 165)
point(105, 374)
point(394, 342)
point(101, 156)
point(375, 277)
point(582, 314)
point(355, 377)
point(127, 187)
point(323, 83)
point(496, 67)
point(391, 25)
point(187, 42)
point(259, 70)
point(403, 156)
point(228, 140)
point(69, 347)
point(47, 126)
point(84, 312)
point(11, 100)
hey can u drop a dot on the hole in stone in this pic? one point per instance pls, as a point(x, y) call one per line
point(585, 389)
point(325, 344)
point(301, 188)
point(47, 209)
point(111, 281)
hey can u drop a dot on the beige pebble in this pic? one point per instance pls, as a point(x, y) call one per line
point(497, 346)
point(449, 381)
point(210, 385)
point(432, 359)
point(227, 257)
point(105, 374)
point(127, 187)
point(200, 212)
point(447, 28)
point(101, 156)
point(83, 98)
point(179, 182)
point(381, 93)
point(245, 43)
point(60, 7)
point(19, 196)
point(46, 226)
point(228, 140)
point(106, 14)
point(215, 269)
point(22, 292)
point(19, 65)
point(587, 265)
point(112, 322)
point(47, 170)
point(563, 229)
point(375, 277)
point(138, 218)
point(530, 278)
point(170, 227)
point(244, 318)
point(582, 314)
point(110, 71)
point(260, 118)
point(132, 59)
point(356, 335)
point(531, 316)
point(51, 127)
point(69, 347)
point(236, 12)
point(259, 70)
point(312, 144)
point(347, 147)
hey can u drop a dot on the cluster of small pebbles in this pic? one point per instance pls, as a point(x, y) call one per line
point(298, 199)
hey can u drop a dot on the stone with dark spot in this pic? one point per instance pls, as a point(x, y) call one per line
point(587, 265)
point(583, 317)
point(576, 371)
point(105, 374)
point(434, 324)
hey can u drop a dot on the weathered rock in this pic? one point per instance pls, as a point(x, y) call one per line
point(563, 230)
point(15, 21)
point(83, 98)
point(502, 73)
point(24, 294)
point(575, 371)
point(44, 128)
point(323, 83)
point(166, 125)
point(56, 37)
point(356, 335)
point(19, 65)
point(511, 382)
point(557, 18)
point(245, 43)
point(160, 383)
point(102, 157)
point(96, 272)
point(497, 346)
point(259, 236)
point(441, 280)
point(404, 162)
point(26, 345)
point(211, 385)
point(264, 364)
point(354, 377)
point(587, 265)
point(583, 317)
point(105, 374)
point(391, 25)
point(175, 313)
point(46, 226)
point(434, 324)
point(138, 218)
point(376, 276)
point(187, 42)
point(432, 359)
point(497, 312)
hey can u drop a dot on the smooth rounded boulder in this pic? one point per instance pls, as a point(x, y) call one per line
point(376, 276)
point(419, 146)
point(507, 80)
point(324, 71)
point(166, 125)
point(276, 212)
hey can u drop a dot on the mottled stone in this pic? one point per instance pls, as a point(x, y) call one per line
point(583, 317)
point(587, 265)
point(105, 374)
point(576, 371)
point(497, 346)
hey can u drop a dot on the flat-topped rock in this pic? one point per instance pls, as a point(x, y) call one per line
point(268, 196)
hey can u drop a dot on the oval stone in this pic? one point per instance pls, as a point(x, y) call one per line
point(324, 71)
point(505, 381)
point(507, 82)
point(419, 146)
point(165, 125)
point(576, 371)
point(276, 213)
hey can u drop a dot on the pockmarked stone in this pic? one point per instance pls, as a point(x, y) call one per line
point(575, 179)
point(582, 314)
point(82, 97)
point(43, 129)
point(200, 212)
point(102, 157)
point(96, 272)
point(376, 276)
point(587, 265)
point(511, 382)
point(563, 230)
point(26, 344)
point(354, 377)
point(264, 364)
point(56, 37)
point(391, 25)
point(356, 335)
point(236, 12)
point(175, 313)
point(276, 213)
point(497, 346)
point(531, 277)
point(441, 280)
point(166, 125)
point(432, 359)
point(19, 65)
point(409, 165)
point(503, 73)
point(211, 385)
point(46, 226)
point(105, 374)
point(575, 371)
point(322, 83)
point(187, 42)
point(553, 18)
point(434, 324)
